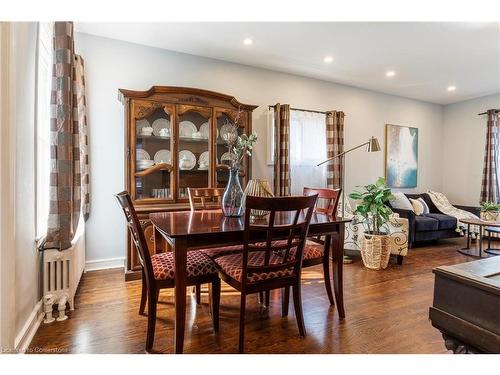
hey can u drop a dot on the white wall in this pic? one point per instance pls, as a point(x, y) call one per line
point(27, 266)
point(112, 64)
point(22, 284)
point(464, 138)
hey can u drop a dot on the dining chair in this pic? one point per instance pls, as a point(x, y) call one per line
point(158, 271)
point(210, 199)
point(317, 249)
point(270, 264)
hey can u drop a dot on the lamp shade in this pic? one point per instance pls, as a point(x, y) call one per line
point(373, 145)
point(258, 188)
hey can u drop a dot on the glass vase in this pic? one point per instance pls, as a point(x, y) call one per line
point(232, 199)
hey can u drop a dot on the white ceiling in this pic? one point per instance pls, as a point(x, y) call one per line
point(427, 57)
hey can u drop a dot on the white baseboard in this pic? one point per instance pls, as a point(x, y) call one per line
point(102, 264)
point(24, 337)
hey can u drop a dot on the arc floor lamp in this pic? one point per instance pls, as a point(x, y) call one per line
point(373, 146)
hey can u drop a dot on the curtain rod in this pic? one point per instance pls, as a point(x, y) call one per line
point(485, 113)
point(303, 110)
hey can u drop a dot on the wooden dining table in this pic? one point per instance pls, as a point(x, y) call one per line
point(191, 230)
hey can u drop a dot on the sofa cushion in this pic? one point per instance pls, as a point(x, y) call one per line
point(445, 221)
point(425, 223)
point(401, 202)
point(424, 205)
point(418, 208)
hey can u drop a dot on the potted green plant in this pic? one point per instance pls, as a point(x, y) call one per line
point(490, 211)
point(372, 207)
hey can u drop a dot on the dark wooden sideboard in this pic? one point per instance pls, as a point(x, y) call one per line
point(466, 306)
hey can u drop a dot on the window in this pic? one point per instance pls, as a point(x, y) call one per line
point(307, 149)
point(42, 123)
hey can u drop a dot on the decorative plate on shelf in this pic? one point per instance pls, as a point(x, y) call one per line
point(227, 131)
point(159, 124)
point(203, 160)
point(141, 154)
point(163, 156)
point(141, 124)
point(205, 130)
point(187, 160)
point(186, 129)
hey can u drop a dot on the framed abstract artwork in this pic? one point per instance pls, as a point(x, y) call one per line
point(401, 156)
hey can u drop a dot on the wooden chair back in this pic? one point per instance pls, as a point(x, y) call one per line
point(328, 199)
point(136, 232)
point(288, 216)
point(210, 198)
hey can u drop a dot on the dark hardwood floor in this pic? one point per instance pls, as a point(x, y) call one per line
point(386, 312)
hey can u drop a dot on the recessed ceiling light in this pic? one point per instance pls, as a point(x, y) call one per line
point(451, 88)
point(390, 73)
point(328, 59)
point(247, 41)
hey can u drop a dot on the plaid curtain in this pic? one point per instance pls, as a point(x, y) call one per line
point(81, 108)
point(334, 146)
point(68, 149)
point(489, 185)
point(281, 150)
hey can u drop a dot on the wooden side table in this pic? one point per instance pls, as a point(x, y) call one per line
point(478, 252)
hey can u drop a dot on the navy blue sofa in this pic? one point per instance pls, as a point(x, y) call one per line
point(432, 226)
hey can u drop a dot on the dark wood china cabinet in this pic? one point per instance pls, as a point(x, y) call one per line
point(173, 140)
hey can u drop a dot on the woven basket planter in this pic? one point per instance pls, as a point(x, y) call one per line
point(375, 251)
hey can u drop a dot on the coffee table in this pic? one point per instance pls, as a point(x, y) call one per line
point(478, 252)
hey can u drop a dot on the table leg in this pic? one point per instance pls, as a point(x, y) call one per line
point(338, 267)
point(480, 235)
point(180, 259)
point(158, 238)
point(478, 251)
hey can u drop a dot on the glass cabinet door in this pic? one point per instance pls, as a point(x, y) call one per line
point(223, 156)
point(153, 154)
point(193, 151)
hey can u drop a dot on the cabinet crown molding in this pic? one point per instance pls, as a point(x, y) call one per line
point(180, 95)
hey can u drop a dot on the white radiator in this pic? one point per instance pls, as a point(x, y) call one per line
point(62, 271)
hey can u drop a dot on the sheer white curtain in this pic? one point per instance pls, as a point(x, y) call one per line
point(307, 148)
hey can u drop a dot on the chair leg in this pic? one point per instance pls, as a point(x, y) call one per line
point(215, 302)
point(242, 322)
point(261, 297)
point(285, 300)
point(297, 302)
point(198, 294)
point(400, 259)
point(152, 301)
point(267, 298)
point(144, 294)
point(328, 282)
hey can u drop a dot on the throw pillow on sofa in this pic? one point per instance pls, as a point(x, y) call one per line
point(424, 204)
point(401, 202)
point(418, 207)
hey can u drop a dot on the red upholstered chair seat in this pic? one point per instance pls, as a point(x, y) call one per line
point(232, 265)
point(311, 250)
point(220, 251)
point(198, 264)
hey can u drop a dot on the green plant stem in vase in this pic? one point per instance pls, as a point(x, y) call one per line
point(372, 207)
